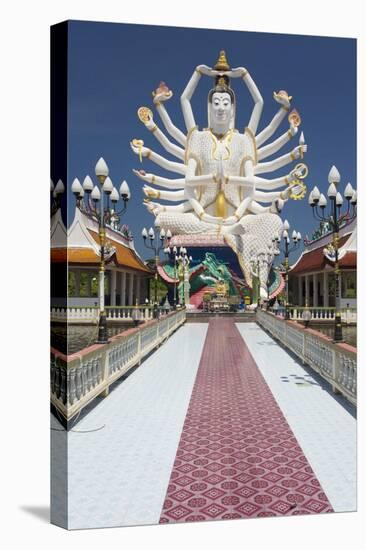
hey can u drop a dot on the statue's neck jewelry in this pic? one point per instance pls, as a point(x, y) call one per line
point(226, 138)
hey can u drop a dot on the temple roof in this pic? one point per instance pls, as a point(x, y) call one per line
point(80, 244)
point(316, 259)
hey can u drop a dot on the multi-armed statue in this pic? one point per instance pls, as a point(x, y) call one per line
point(220, 191)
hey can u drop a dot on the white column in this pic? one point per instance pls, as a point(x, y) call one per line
point(325, 289)
point(77, 282)
point(123, 288)
point(315, 290)
point(307, 290)
point(130, 289)
point(113, 287)
point(299, 282)
point(138, 289)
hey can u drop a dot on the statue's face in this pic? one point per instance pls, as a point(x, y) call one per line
point(221, 107)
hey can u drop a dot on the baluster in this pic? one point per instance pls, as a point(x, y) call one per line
point(95, 372)
point(78, 371)
point(71, 383)
point(99, 370)
point(90, 375)
point(53, 376)
point(63, 389)
point(57, 381)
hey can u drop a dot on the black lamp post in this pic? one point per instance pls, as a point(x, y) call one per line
point(173, 252)
point(56, 192)
point(334, 217)
point(286, 250)
point(105, 216)
point(157, 248)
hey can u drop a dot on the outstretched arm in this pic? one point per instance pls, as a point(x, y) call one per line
point(173, 196)
point(186, 96)
point(263, 196)
point(158, 159)
point(272, 126)
point(241, 72)
point(156, 208)
point(262, 183)
point(165, 142)
point(276, 145)
point(170, 127)
point(296, 153)
point(162, 182)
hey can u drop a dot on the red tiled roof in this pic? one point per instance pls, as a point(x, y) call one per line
point(74, 255)
point(316, 261)
point(125, 257)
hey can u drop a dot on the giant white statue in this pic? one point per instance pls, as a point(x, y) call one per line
point(220, 189)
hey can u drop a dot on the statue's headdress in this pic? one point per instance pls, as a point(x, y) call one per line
point(222, 81)
point(222, 84)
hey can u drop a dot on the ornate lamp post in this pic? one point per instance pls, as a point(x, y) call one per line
point(105, 215)
point(157, 248)
point(173, 252)
point(262, 257)
point(184, 261)
point(56, 192)
point(287, 249)
point(255, 269)
point(334, 217)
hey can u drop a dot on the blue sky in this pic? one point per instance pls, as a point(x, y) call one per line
point(114, 67)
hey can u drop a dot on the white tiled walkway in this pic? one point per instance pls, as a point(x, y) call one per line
point(322, 426)
point(109, 485)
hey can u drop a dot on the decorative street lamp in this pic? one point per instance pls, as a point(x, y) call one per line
point(334, 218)
point(56, 192)
point(255, 269)
point(262, 257)
point(184, 262)
point(157, 248)
point(287, 250)
point(174, 252)
point(105, 215)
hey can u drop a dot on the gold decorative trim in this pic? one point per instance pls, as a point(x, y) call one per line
point(154, 128)
point(148, 154)
point(285, 108)
point(198, 71)
point(289, 134)
point(292, 156)
point(228, 136)
point(245, 74)
point(153, 179)
point(188, 137)
point(252, 136)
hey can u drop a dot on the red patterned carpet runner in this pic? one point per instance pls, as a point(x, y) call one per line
point(237, 456)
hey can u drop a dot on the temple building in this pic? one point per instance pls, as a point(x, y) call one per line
point(312, 277)
point(77, 250)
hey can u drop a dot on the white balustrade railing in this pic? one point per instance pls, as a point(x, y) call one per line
point(80, 315)
point(348, 315)
point(78, 378)
point(337, 363)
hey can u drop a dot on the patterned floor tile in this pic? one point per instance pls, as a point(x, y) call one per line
point(244, 459)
